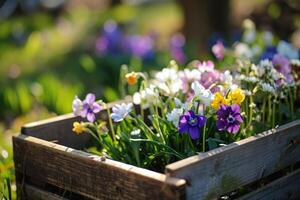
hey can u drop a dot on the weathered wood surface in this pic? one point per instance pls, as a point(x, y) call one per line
point(285, 188)
point(59, 129)
point(221, 170)
point(34, 193)
point(85, 174)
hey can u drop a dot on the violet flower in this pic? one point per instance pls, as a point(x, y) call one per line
point(283, 66)
point(219, 50)
point(177, 43)
point(229, 118)
point(111, 40)
point(141, 46)
point(191, 123)
point(86, 108)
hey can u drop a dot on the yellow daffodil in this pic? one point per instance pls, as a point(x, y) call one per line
point(131, 78)
point(78, 127)
point(236, 96)
point(218, 101)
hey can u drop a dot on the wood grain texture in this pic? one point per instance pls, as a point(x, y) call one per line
point(34, 193)
point(285, 188)
point(85, 174)
point(221, 170)
point(59, 129)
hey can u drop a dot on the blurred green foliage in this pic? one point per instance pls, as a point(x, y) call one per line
point(48, 58)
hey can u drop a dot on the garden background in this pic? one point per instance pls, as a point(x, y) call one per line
point(52, 50)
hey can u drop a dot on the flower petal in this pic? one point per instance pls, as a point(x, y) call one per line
point(90, 98)
point(96, 107)
point(235, 108)
point(221, 125)
point(91, 117)
point(233, 128)
point(201, 121)
point(194, 133)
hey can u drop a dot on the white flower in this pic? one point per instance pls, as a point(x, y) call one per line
point(77, 106)
point(135, 132)
point(249, 35)
point(286, 49)
point(168, 81)
point(242, 49)
point(268, 38)
point(167, 75)
point(120, 111)
point(174, 116)
point(179, 104)
point(247, 92)
point(146, 97)
point(227, 77)
point(190, 75)
point(263, 67)
point(248, 24)
point(4, 154)
point(203, 94)
point(295, 62)
point(276, 75)
point(266, 87)
point(251, 79)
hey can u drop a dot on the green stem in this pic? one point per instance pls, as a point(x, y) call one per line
point(273, 115)
point(263, 110)
point(250, 113)
point(291, 103)
point(204, 138)
point(111, 124)
point(269, 110)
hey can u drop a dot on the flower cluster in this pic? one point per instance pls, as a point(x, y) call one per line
point(179, 112)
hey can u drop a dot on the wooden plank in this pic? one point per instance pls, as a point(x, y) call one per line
point(87, 175)
point(59, 129)
point(287, 187)
point(222, 170)
point(34, 193)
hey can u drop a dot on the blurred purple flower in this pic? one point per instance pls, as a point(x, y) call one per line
point(191, 123)
point(229, 118)
point(177, 43)
point(282, 64)
point(269, 53)
point(111, 39)
point(141, 46)
point(218, 50)
point(86, 108)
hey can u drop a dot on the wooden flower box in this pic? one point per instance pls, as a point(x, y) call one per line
point(50, 164)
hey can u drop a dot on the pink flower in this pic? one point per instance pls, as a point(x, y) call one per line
point(218, 50)
point(205, 65)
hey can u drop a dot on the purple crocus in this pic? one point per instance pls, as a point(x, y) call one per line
point(191, 123)
point(229, 118)
point(219, 50)
point(86, 108)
